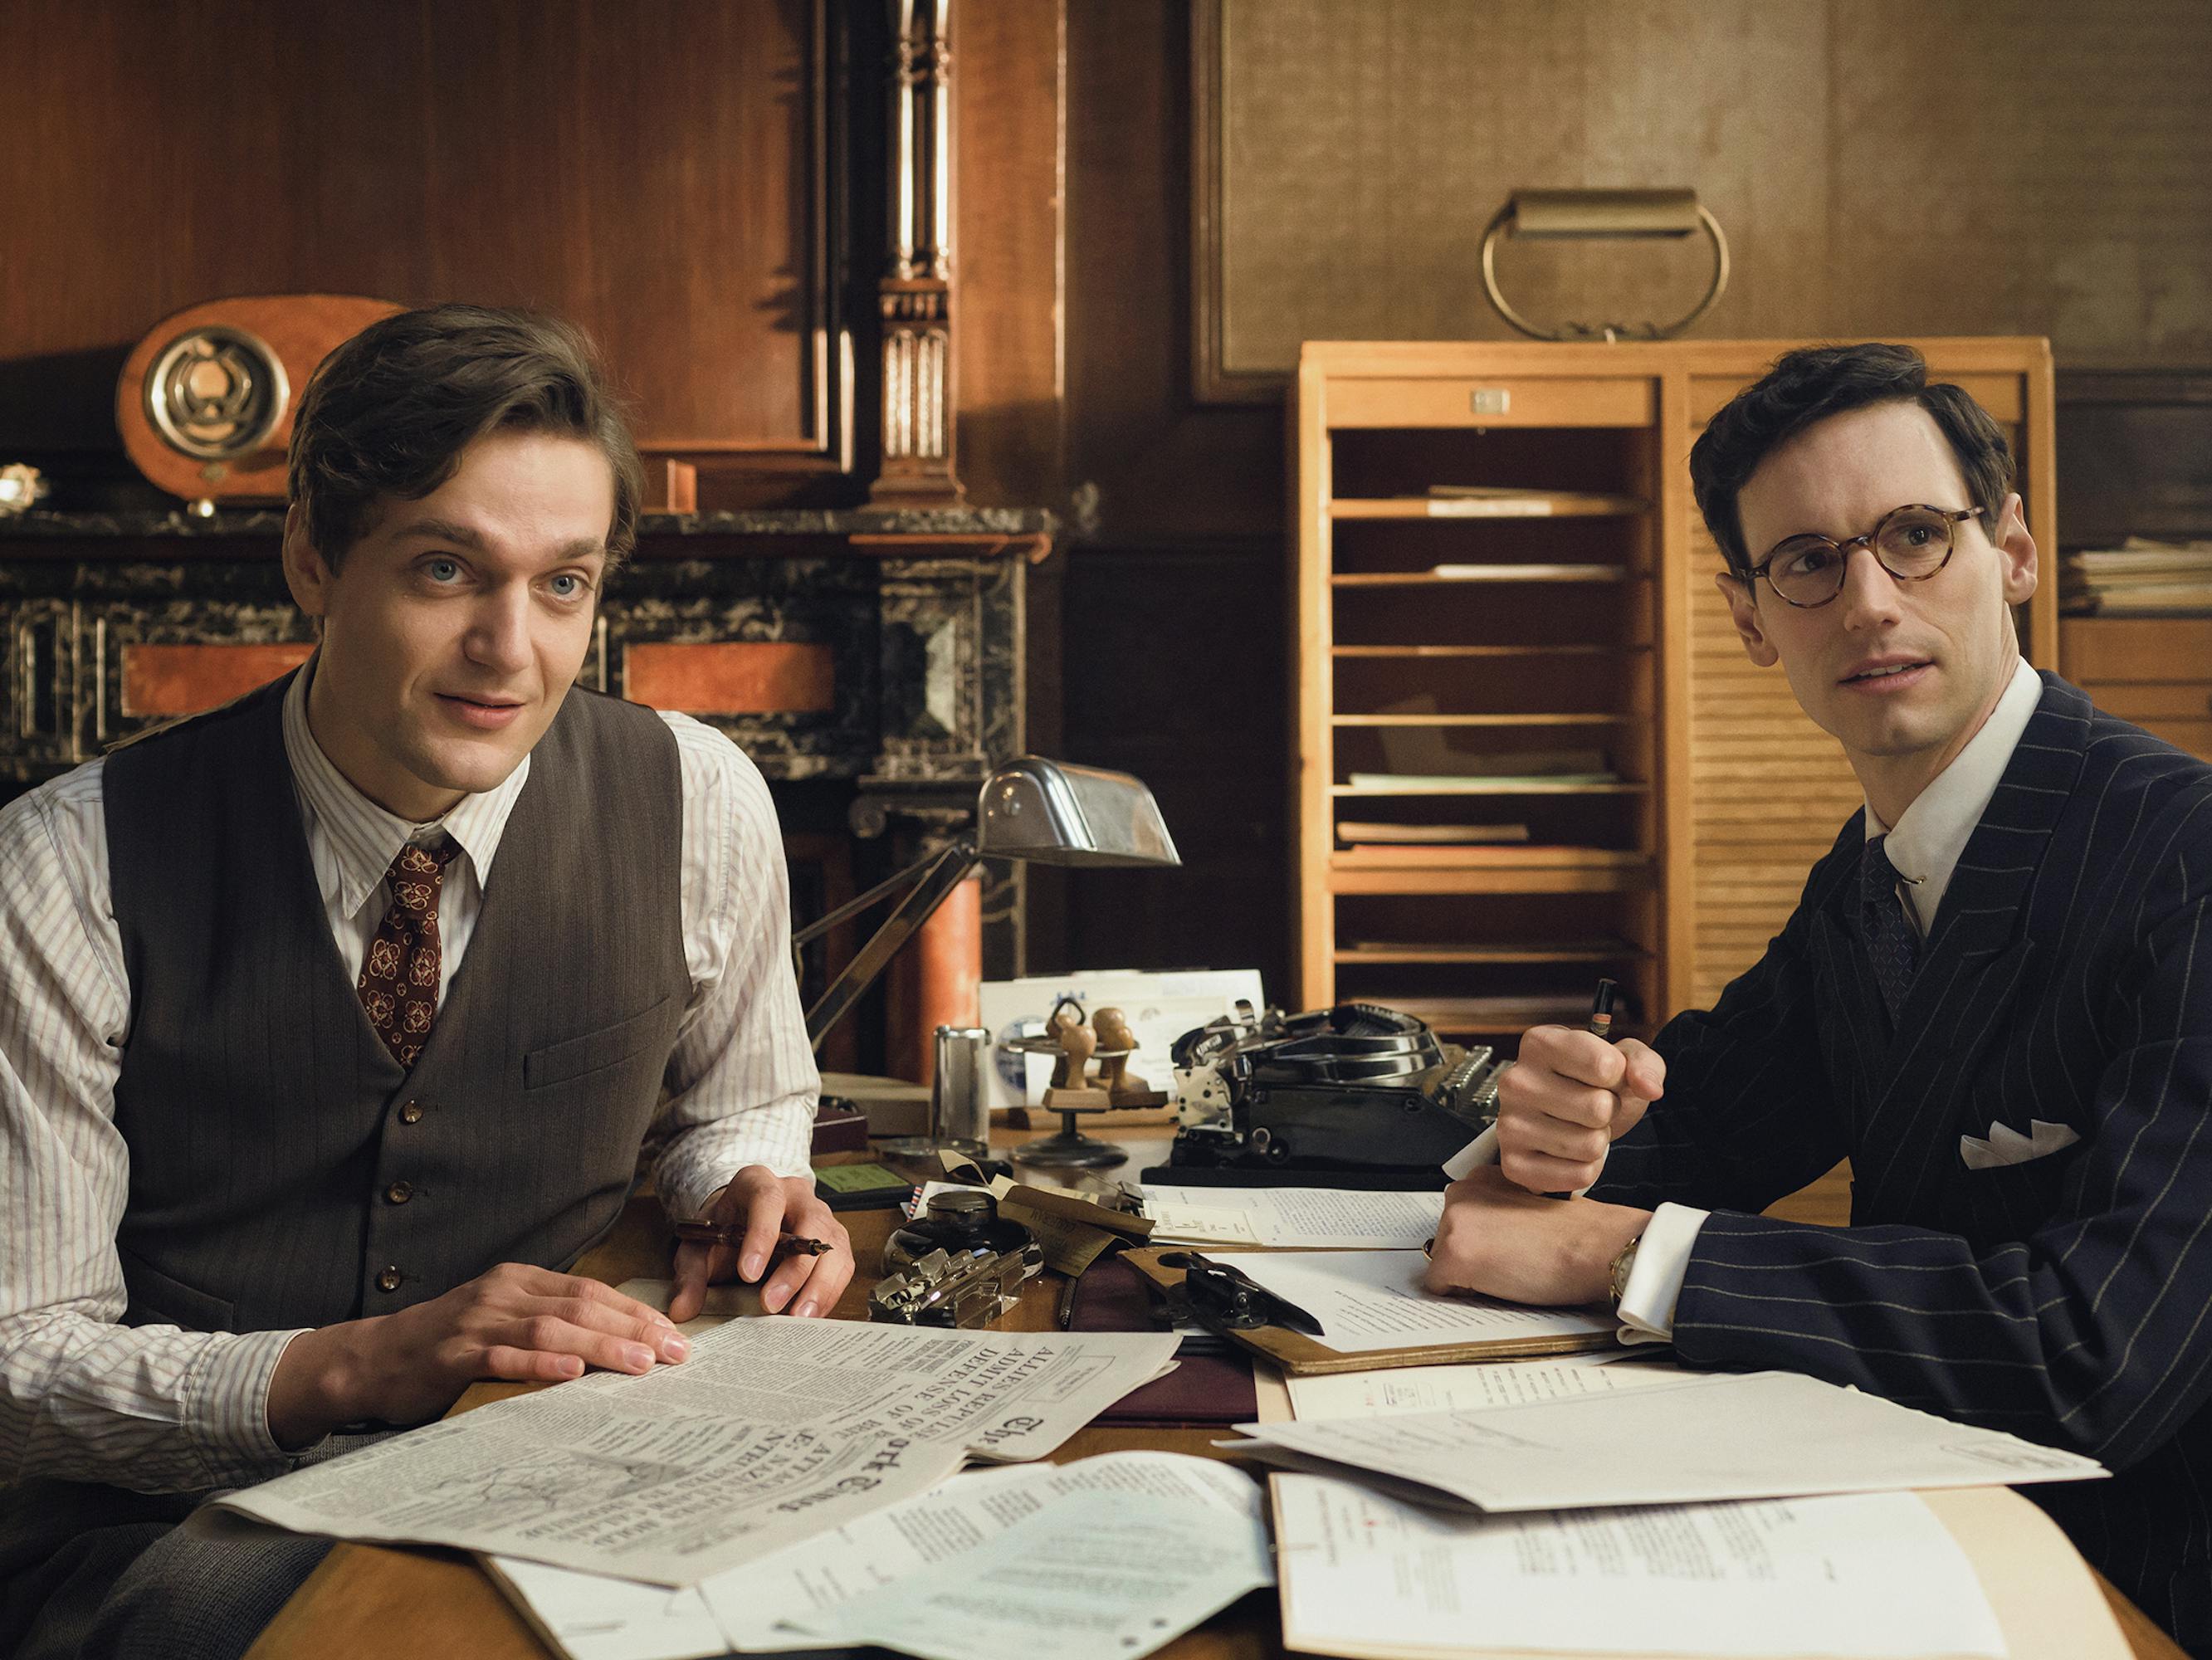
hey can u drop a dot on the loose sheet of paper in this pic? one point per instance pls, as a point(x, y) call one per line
point(1295, 1218)
point(1760, 1435)
point(1867, 1575)
point(773, 1429)
point(1120, 1555)
point(591, 1616)
point(1477, 1385)
point(984, 1556)
point(595, 1616)
point(1367, 1300)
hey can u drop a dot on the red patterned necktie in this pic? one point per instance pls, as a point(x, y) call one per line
point(399, 977)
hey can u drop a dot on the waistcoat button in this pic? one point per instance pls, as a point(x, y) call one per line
point(388, 1281)
point(399, 1193)
point(411, 1113)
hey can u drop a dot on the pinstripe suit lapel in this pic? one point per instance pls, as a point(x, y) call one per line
point(1978, 951)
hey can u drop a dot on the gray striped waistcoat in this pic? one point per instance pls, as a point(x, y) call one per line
point(284, 1171)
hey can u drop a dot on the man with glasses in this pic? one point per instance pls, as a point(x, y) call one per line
point(1995, 998)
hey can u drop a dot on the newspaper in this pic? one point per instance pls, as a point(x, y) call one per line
point(772, 1429)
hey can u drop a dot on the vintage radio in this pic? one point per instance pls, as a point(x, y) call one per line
point(204, 403)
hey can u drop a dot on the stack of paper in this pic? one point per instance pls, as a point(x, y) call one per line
point(2139, 577)
point(1302, 1219)
point(1532, 1515)
point(1867, 1575)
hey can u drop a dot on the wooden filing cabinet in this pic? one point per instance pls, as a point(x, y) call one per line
point(2153, 671)
point(1567, 605)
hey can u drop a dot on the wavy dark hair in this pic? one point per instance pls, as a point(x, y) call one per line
point(1812, 384)
point(389, 413)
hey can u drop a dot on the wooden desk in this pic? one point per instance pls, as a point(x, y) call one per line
point(371, 1600)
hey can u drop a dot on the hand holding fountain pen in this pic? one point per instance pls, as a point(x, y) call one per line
point(1600, 1026)
point(702, 1233)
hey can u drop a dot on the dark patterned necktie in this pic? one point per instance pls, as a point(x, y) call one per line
point(399, 975)
point(1892, 942)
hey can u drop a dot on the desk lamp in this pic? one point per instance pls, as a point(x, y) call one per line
point(1590, 214)
point(1049, 812)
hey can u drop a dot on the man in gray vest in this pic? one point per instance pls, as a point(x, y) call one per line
point(332, 1022)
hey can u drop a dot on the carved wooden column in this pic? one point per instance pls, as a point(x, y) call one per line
point(916, 291)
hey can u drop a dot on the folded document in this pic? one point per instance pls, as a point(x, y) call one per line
point(1760, 1435)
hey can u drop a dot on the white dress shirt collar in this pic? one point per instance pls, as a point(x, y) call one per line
point(358, 839)
point(1928, 837)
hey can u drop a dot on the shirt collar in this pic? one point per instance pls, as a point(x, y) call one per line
point(361, 838)
point(1930, 836)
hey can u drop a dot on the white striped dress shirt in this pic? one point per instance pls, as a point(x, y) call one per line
point(160, 1409)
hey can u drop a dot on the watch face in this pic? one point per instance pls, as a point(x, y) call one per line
point(215, 393)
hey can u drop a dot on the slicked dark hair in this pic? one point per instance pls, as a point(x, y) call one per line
point(1812, 384)
point(389, 413)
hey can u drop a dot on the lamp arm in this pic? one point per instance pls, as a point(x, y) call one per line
point(932, 878)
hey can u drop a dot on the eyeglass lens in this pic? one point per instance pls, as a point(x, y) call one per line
point(1912, 543)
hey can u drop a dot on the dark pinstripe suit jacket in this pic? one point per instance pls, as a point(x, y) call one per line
point(2068, 977)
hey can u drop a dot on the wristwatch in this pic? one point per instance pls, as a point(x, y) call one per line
point(1624, 1264)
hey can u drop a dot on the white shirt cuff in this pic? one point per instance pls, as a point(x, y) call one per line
point(702, 1157)
point(1655, 1282)
point(226, 1405)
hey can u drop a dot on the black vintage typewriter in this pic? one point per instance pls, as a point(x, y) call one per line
point(1354, 1096)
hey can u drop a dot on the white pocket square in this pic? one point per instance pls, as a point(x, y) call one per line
point(2006, 1145)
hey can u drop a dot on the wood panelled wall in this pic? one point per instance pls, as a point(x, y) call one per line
point(662, 174)
point(1881, 167)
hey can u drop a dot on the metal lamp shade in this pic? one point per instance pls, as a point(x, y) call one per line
point(1051, 812)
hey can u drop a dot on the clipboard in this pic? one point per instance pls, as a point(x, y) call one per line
point(1301, 1356)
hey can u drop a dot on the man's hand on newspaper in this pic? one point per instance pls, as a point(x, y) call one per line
point(1568, 1098)
point(766, 1205)
point(1500, 1240)
point(516, 1324)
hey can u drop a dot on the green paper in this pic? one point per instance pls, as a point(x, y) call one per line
point(859, 1178)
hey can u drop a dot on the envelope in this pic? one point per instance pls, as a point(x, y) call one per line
point(2004, 1145)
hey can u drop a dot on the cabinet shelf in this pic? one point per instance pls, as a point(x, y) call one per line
point(1484, 855)
point(1485, 1016)
point(1579, 648)
point(1382, 879)
point(1466, 574)
point(1546, 720)
point(1591, 951)
point(1517, 504)
point(1492, 787)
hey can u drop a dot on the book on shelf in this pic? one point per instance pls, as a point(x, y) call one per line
point(1519, 501)
point(1499, 783)
point(1592, 949)
point(1362, 830)
point(1527, 571)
